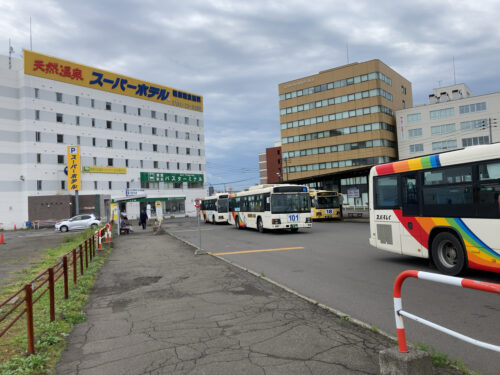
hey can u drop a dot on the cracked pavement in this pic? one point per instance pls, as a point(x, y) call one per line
point(156, 308)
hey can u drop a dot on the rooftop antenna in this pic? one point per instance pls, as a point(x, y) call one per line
point(11, 51)
point(454, 75)
point(31, 39)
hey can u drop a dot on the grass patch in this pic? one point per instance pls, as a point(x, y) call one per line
point(344, 318)
point(374, 329)
point(442, 359)
point(49, 336)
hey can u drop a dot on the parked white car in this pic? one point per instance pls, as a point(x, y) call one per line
point(78, 222)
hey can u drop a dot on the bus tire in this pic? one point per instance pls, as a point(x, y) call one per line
point(448, 254)
point(260, 225)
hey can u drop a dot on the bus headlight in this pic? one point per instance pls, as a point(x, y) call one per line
point(276, 221)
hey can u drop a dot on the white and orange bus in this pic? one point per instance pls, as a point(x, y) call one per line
point(445, 207)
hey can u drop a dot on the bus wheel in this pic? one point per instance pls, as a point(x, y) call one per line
point(260, 226)
point(294, 230)
point(448, 254)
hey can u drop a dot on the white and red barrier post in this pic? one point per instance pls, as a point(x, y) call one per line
point(443, 279)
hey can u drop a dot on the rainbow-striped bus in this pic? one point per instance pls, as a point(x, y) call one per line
point(445, 207)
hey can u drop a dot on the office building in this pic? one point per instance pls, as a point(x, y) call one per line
point(337, 124)
point(134, 137)
point(453, 119)
point(270, 168)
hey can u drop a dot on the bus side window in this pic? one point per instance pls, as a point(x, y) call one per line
point(268, 202)
point(489, 190)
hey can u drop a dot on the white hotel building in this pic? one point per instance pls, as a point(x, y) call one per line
point(453, 119)
point(130, 140)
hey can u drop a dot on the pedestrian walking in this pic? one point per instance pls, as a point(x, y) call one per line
point(143, 219)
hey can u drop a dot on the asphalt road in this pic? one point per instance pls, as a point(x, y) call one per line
point(336, 266)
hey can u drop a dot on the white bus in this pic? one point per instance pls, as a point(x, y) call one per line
point(445, 207)
point(214, 209)
point(271, 207)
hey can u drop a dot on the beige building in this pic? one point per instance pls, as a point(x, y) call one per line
point(337, 124)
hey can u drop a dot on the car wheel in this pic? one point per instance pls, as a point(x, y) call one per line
point(260, 226)
point(448, 254)
point(63, 229)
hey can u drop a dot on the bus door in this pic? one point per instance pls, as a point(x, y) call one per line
point(411, 197)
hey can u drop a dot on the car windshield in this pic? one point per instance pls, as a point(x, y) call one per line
point(290, 203)
point(328, 202)
point(222, 205)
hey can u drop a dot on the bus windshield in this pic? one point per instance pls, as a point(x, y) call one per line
point(222, 205)
point(290, 203)
point(327, 202)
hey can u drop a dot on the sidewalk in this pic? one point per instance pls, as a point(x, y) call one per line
point(156, 308)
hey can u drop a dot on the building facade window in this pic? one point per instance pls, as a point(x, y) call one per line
point(138, 111)
point(414, 117)
point(165, 117)
point(188, 166)
point(474, 141)
point(37, 136)
point(110, 162)
point(92, 103)
point(78, 120)
point(413, 133)
point(109, 143)
point(38, 158)
point(126, 145)
point(470, 108)
point(60, 138)
point(77, 100)
point(95, 185)
point(416, 148)
point(449, 144)
point(474, 124)
point(155, 164)
point(155, 148)
point(140, 129)
point(59, 96)
point(126, 162)
point(153, 114)
point(188, 151)
point(186, 120)
point(175, 118)
point(37, 114)
point(94, 160)
point(39, 185)
point(78, 139)
point(441, 113)
point(110, 185)
point(37, 93)
point(109, 125)
point(124, 108)
point(108, 106)
point(93, 142)
point(93, 122)
point(140, 146)
point(443, 129)
point(59, 117)
point(153, 131)
point(124, 126)
point(63, 185)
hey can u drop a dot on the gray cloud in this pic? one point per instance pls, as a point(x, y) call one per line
point(235, 53)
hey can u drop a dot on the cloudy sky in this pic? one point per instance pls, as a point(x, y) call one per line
point(235, 53)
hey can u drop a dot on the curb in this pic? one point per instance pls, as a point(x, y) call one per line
point(339, 313)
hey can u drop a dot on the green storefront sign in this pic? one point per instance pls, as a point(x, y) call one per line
point(170, 177)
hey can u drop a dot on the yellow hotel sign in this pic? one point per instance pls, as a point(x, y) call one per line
point(74, 167)
point(114, 170)
point(44, 66)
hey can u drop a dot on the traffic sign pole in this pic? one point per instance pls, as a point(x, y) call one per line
point(197, 204)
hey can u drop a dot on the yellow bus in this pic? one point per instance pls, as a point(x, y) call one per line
point(325, 204)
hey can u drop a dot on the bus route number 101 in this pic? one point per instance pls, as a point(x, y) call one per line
point(293, 218)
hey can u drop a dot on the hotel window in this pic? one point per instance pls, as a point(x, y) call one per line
point(126, 145)
point(477, 107)
point(110, 185)
point(187, 136)
point(63, 185)
point(198, 137)
point(128, 185)
point(199, 167)
point(188, 151)
point(199, 152)
point(186, 120)
point(94, 160)
point(126, 162)
point(37, 114)
point(140, 129)
point(416, 148)
point(93, 142)
point(166, 133)
point(140, 146)
point(176, 134)
point(153, 114)
point(124, 126)
point(37, 93)
point(77, 100)
point(78, 120)
point(110, 162)
point(77, 139)
point(59, 96)
point(175, 118)
point(413, 133)
point(124, 108)
point(59, 117)
point(37, 136)
point(93, 122)
point(142, 163)
point(92, 103)
point(109, 125)
point(109, 143)
point(153, 131)
point(39, 185)
point(95, 185)
point(38, 158)
point(178, 166)
point(60, 138)
point(177, 150)
point(168, 165)
point(138, 111)
point(188, 167)
point(197, 122)
point(165, 116)
point(155, 164)
point(155, 148)
point(108, 106)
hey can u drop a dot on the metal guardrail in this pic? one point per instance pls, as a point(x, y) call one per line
point(77, 259)
point(443, 279)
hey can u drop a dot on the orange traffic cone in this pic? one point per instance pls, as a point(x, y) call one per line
point(2, 242)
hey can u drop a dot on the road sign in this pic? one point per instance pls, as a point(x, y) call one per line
point(197, 202)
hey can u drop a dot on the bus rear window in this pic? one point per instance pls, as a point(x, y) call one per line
point(386, 192)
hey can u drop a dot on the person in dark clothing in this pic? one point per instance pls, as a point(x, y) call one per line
point(143, 219)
